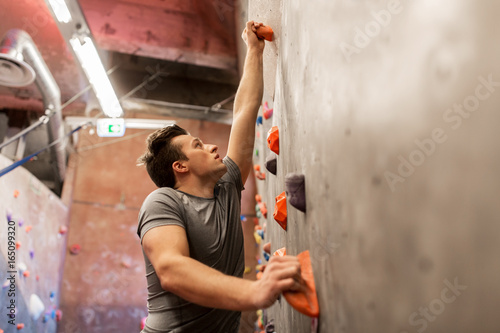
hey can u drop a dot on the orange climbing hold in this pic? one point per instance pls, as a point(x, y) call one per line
point(265, 32)
point(280, 210)
point(260, 175)
point(20, 326)
point(16, 193)
point(273, 139)
point(263, 209)
point(256, 167)
point(28, 228)
point(258, 198)
point(280, 252)
point(304, 300)
point(26, 273)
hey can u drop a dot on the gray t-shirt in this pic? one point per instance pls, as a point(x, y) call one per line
point(215, 239)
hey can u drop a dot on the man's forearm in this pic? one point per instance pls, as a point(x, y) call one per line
point(202, 285)
point(249, 94)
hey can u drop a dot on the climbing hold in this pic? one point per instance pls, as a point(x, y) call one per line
point(258, 134)
point(255, 220)
point(28, 228)
point(37, 278)
point(304, 300)
point(273, 139)
point(265, 255)
point(258, 198)
point(46, 318)
point(257, 227)
point(18, 245)
point(26, 273)
point(260, 233)
point(63, 230)
point(32, 254)
point(143, 322)
point(247, 270)
point(21, 267)
point(259, 275)
point(21, 222)
point(296, 191)
point(58, 315)
point(125, 263)
point(259, 120)
point(280, 252)
point(265, 32)
point(256, 152)
point(52, 295)
point(260, 175)
point(280, 210)
point(20, 326)
point(8, 215)
point(5, 284)
point(16, 193)
point(256, 167)
point(271, 161)
point(75, 249)
point(258, 239)
point(270, 326)
point(36, 307)
point(267, 247)
point(263, 208)
point(267, 112)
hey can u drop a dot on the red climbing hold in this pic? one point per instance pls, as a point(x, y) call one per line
point(263, 209)
point(26, 273)
point(265, 32)
point(280, 210)
point(273, 139)
point(305, 299)
point(20, 326)
point(18, 245)
point(266, 111)
point(75, 249)
point(63, 229)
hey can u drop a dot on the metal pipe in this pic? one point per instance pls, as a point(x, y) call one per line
point(18, 48)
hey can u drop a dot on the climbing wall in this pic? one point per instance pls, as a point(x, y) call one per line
point(390, 111)
point(32, 240)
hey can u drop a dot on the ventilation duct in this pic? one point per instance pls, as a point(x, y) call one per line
point(20, 64)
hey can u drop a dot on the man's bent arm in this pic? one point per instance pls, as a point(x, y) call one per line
point(167, 249)
point(247, 103)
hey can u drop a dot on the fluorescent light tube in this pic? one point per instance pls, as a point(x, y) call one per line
point(60, 10)
point(93, 68)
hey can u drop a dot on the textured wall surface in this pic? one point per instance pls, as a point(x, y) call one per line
point(390, 109)
point(37, 215)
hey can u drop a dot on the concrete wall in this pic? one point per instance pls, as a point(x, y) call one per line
point(37, 215)
point(386, 108)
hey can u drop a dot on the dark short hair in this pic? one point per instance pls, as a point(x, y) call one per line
point(161, 153)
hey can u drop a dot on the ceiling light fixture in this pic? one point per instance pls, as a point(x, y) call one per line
point(60, 10)
point(92, 66)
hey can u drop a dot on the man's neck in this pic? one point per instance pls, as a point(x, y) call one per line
point(199, 189)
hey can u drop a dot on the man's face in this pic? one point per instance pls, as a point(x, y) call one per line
point(203, 159)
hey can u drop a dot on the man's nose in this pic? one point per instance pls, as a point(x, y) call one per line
point(213, 148)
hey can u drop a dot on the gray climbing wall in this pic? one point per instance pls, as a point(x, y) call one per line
point(391, 110)
point(36, 216)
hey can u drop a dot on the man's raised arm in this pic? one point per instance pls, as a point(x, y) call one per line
point(247, 102)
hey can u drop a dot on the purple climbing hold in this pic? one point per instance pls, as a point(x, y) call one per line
point(296, 191)
point(32, 254)
point(9, 216)
point(271, 163)
point(21, 222)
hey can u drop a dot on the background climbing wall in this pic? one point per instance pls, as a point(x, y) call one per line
point(390, 109)
point(38, 215)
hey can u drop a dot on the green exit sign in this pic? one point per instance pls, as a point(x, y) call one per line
point(110, 127)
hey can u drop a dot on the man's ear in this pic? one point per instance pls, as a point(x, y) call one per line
point(180, 166)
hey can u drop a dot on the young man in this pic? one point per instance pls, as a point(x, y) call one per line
point(190, 227)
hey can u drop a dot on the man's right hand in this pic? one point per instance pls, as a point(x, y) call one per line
point(281, 274)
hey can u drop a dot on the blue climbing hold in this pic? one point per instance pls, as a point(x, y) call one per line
point(266, 255)
point(259, 120)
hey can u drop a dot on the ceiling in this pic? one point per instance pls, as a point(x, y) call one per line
point(164, 57)
point(193, 42)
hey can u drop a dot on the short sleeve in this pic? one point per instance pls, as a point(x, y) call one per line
point(159, 209)
point(233, 174)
